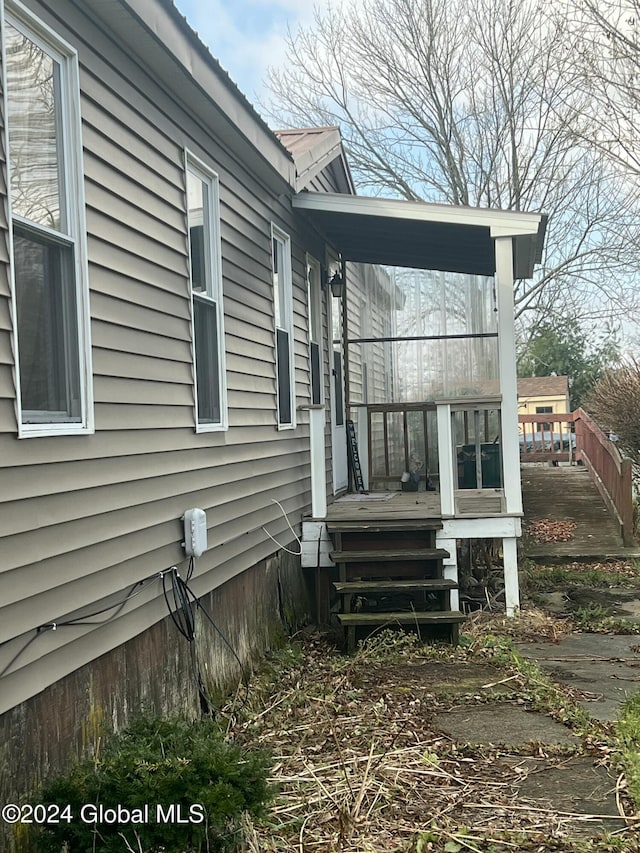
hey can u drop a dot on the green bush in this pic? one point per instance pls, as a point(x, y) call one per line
point(189, 766)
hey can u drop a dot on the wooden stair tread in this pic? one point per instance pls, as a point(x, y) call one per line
point(384, 526)
point(436, 617)
point(386, 555)
point(394, 586)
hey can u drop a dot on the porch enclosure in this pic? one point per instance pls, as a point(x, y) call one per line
point(430, 384)
point(575, 437)
point(422, 355)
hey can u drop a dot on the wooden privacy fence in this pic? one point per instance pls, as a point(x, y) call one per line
point(574, 436)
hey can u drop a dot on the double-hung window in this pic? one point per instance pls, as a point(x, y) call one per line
point(283, 306)
point(203, 214)
point(49, 271)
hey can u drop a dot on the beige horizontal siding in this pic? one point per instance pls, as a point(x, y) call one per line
point(166, 300)
point(225, 461)
point(139, 341)
point(143, 368)
point(122, 390)
point(7, 385)
point(83, 518)
point(38, 537)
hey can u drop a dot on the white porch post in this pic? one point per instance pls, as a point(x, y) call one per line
point(446, 460)
point(508, 375)
point(362, 436)
point(511, 586)
point(450, 566)
point(318, 462)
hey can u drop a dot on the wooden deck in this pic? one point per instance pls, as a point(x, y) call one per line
point(569, 493)
point(393, 506)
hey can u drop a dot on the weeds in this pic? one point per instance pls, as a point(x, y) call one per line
point(361, 764)
point(628, 730)
point(602, 575)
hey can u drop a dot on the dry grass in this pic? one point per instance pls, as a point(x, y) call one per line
point(361, 767)
point(532, 625)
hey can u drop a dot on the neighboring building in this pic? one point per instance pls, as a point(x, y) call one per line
point(543, 395)
point(168, 341)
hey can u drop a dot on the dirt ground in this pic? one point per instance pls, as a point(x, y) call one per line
point(616, 601)
point(414, 748)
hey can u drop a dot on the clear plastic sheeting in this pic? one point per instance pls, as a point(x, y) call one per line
point(373, 303)
point(457, 315)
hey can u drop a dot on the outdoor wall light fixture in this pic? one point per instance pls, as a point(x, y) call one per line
point(336, 283)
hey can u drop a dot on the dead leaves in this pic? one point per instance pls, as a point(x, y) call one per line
point(546, 530)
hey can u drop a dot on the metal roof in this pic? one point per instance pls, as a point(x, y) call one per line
point(159, 40)
point(421, 235)
point(314, 149)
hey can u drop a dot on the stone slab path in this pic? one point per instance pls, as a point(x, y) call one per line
point(605, 667)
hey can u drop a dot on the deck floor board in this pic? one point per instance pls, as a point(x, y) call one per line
point(568, 494)
point(393, 506)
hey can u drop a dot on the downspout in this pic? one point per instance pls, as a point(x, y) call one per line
point(345, 332)
point(345, 357)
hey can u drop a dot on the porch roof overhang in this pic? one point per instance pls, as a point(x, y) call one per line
point(423, 236)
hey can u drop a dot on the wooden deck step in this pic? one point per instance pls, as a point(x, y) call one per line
point(384, 526)
point(441, 617)
point(394, 586)
point(388, 555)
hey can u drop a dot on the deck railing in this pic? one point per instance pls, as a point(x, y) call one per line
point(610, 470)
point(547, 437)
point(399, 439)
point(404, 439)
point(574, 436)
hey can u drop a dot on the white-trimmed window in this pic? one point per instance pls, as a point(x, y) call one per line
point(203, 217)
point(48, 234)
point(283, 306)
point(315, 330)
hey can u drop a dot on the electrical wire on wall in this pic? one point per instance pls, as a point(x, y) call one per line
point(85, 619)
point(279, 544)
point(180, 600)
point(182, 604)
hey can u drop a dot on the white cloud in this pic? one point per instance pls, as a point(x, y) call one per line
point(247, 36)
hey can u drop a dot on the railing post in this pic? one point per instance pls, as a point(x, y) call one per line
point(579, 432)
point(446, 460)
point(626, 500)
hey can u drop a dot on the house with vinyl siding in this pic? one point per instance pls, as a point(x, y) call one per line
point(154, 357)
point(168, 342)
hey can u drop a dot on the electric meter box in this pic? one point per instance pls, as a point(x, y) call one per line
point(195, 532)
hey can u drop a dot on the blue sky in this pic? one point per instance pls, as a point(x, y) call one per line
point(246, 36)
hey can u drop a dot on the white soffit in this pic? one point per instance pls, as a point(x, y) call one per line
point(421, 235)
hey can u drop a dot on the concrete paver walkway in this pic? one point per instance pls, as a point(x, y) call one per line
point(560, 775)
point(605, 666)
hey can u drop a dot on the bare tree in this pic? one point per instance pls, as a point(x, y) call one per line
point(471, 103)
point(605, 35)
point(615, 404)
